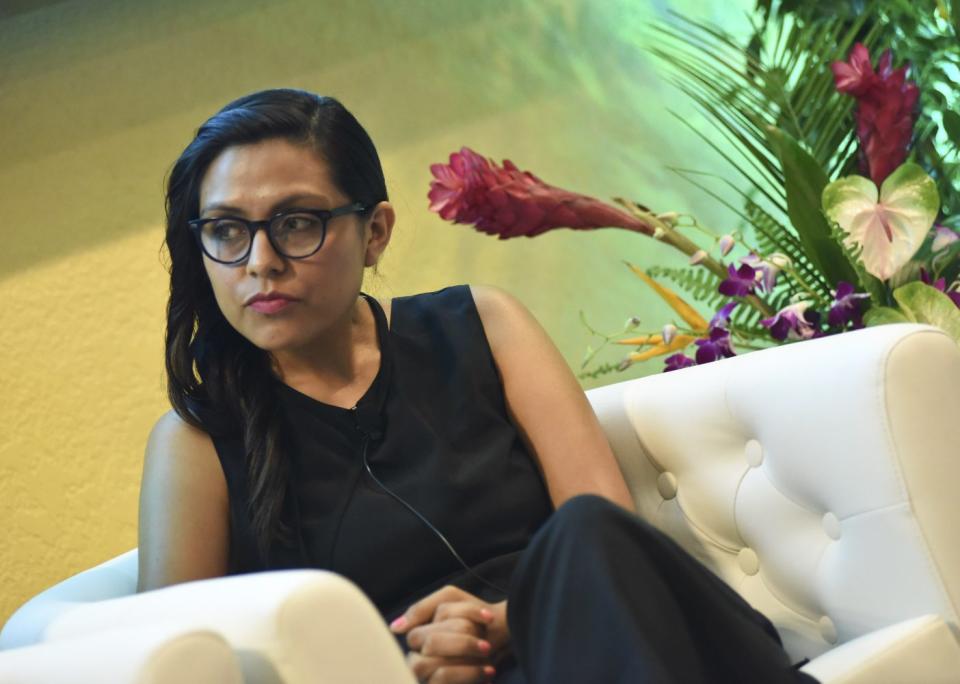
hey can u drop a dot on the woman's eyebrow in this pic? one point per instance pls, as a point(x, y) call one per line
point(281, 204)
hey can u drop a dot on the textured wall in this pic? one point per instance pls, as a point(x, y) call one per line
point(97, 98)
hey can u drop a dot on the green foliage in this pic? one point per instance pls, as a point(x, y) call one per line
point(924, 304)
point(773, 115)
point(951, 125)
point(923, 33)
point(804, 181)
point(702, 286)
point(599, 371)
point(698, 282)
point(883, 315)
point(780, 82)
point(773, 237)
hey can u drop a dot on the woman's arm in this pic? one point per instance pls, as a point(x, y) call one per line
point(547, 404)
point(184, 523)
point(453, 635)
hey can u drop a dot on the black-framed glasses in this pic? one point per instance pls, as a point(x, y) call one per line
point(293, 233)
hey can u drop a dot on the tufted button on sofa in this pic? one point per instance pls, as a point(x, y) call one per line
point(818, 479)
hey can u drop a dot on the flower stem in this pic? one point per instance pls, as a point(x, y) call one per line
point(664, 232)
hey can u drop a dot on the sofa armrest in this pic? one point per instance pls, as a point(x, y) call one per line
point(922, 649)
point(288, 625)
point(155, 654)
point(111, 579)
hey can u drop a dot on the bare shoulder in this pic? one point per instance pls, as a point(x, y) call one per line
point(175, 448)
point(172, 430)
point(179, 455)
point(502, 314)
point(491, 297)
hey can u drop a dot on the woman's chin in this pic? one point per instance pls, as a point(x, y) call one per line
point(272, 342)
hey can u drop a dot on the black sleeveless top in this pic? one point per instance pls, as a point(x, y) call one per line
point(445, 446)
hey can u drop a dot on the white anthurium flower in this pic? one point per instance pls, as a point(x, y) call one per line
point(889, 225)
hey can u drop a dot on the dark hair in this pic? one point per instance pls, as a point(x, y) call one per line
point(217, 380)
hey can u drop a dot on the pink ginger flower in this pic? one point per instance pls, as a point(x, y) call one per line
point(885, 114)
point(508, 202)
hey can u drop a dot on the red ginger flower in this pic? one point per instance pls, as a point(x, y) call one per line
point(508, 202)
point(885, 109)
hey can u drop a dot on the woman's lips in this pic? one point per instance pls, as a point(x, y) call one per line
point(270, 306)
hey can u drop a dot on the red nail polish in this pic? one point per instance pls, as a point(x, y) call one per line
point(399, 623)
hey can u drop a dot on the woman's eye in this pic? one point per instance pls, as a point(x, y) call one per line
point(227, 230)
point(296, 222)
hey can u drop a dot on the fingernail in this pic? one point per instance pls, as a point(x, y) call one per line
point(489, 670)
point(483, 645)
point(486, 614)
point(399, 623)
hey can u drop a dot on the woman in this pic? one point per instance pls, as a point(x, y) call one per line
point(419, 447)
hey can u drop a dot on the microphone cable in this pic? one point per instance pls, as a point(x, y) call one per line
point(438, 533)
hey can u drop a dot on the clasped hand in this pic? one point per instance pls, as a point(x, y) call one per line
point(454, 637)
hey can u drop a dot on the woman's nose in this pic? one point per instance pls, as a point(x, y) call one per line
point(263, 257)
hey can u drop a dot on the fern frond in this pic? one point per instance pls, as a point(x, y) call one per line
point(599, 371)
point(699, 283)
point(773, 236)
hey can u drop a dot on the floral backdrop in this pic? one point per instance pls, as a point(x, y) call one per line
point(844, 121)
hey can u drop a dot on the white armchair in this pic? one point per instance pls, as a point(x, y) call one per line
point(817, 479)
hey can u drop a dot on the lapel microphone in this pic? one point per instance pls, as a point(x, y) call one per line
point(370, 420)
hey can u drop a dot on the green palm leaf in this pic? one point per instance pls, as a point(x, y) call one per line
point(786, 83)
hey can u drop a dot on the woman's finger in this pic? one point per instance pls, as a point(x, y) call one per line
point(454, 645)
point(425, 668)
point(416, 636)
point(423, 610)
point(474, 610)
point(462, 674)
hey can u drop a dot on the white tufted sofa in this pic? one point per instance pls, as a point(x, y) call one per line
point(818, 479)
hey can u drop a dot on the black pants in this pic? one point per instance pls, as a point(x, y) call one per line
point(602, 597)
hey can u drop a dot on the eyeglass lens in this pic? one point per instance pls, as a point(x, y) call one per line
point(295, 235)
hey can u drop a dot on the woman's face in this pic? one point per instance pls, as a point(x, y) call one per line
point(255, 182)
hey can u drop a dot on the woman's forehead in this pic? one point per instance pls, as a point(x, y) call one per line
point(268, 171)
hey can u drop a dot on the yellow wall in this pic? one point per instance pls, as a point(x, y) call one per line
point(98, 99)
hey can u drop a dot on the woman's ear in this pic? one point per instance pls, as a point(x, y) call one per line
point(378, 232)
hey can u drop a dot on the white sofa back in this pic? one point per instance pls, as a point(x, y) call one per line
point(818, 479)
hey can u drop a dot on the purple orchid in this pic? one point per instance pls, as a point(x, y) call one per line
point(677, 361)
point(717, 344)
point(846, 307)
point(740, 282)
point(714, 347)
point(940, 284)
point(722, 317)
point(767, 269)
point(795, 321)
point(943, 237)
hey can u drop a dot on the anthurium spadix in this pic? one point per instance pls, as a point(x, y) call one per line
point(890, 225)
